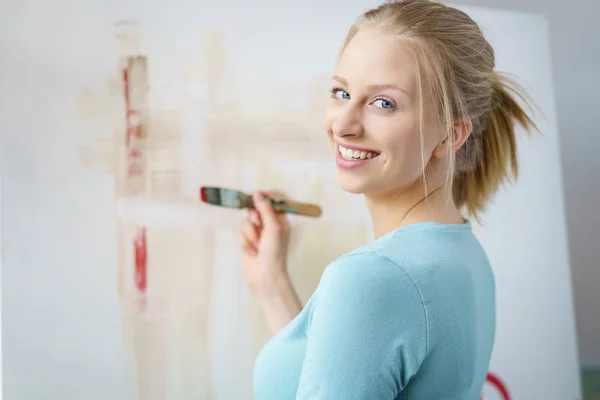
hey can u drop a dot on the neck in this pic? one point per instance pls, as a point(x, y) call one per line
point(412, 205)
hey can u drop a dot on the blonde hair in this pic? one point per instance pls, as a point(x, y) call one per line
point(456, 68)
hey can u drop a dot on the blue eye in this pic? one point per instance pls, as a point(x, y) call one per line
point(386, 104)
point(340, 94)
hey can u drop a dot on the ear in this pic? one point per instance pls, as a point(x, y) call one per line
point(462, 130)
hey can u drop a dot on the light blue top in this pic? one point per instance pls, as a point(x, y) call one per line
point(408, 316)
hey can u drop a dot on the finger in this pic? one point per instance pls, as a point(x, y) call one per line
point(254, 217)
point(283, 221)
point(246, 245)
point(250, 232)
point(251, 251)
point(282, 218)
point(267, 215)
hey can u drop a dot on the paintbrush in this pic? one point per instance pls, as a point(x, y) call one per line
point(232, 198)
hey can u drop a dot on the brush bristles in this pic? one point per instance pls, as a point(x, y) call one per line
point(211, 195)
point(223, 197)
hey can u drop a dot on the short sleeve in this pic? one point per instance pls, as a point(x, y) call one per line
point(368, 331)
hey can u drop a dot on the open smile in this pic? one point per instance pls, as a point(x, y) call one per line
point(352, 153)
point(351, 157)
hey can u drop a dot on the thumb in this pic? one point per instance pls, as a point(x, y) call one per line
point(264, 208)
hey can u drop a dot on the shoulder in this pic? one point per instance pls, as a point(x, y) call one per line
point(432, 253)
point(365, 270)
point(371, 288)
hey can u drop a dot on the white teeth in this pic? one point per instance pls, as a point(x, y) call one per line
point(350, 154)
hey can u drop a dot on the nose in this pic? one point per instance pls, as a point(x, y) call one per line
point(347, 123)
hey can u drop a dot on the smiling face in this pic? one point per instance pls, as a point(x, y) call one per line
point(373, 117)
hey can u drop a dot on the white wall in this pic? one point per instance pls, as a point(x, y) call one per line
point(574, 35)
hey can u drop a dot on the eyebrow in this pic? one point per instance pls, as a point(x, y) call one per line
point(373, 87)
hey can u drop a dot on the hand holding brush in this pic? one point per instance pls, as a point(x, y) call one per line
point(264, 240)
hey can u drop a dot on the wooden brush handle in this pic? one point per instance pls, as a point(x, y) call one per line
point(294, 207)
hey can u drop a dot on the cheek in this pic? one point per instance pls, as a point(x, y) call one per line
point(405, 164)
point(405, 148)
point(398, 136)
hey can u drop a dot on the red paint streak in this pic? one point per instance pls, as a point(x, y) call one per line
point(141, 260)
point(139, 242)
point(496, 382)
point(127, 102)
point(135, 130)
point(135, 167)
point(131, 130)
point(135, 153)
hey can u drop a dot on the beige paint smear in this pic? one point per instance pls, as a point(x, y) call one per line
point(167, 327)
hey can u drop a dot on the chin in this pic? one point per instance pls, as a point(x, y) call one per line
point(351, 184)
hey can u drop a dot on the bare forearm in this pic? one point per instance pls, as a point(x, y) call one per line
point(279, 303)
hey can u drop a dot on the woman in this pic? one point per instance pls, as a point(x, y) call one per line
point(422, 125)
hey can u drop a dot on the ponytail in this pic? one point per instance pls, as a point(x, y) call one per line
point(493, 151)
